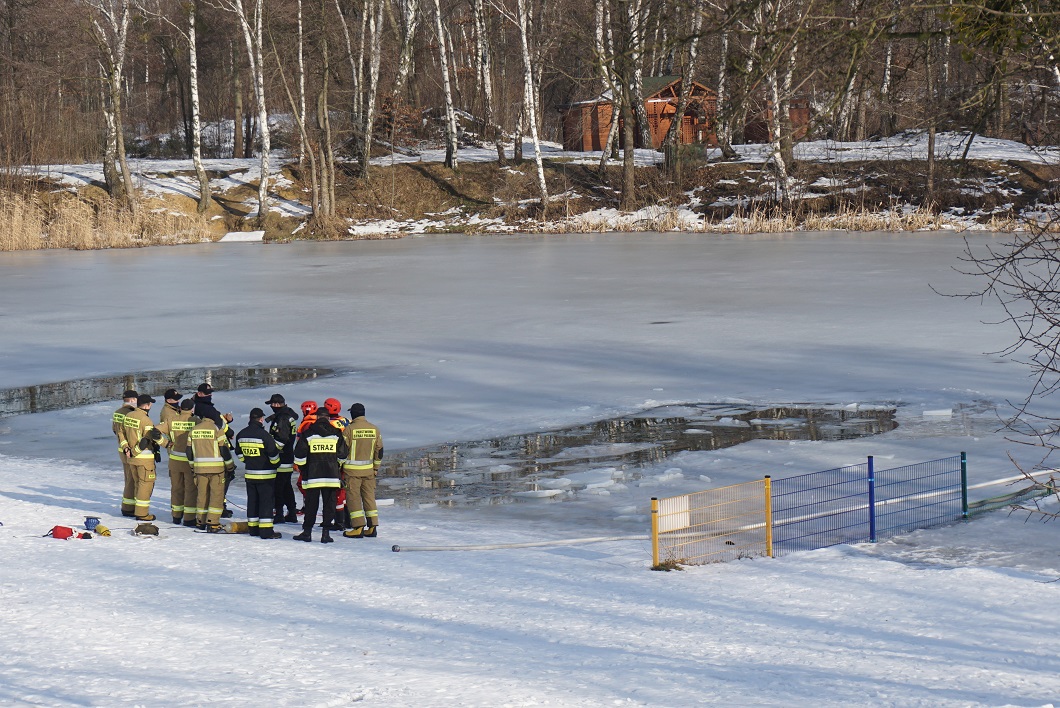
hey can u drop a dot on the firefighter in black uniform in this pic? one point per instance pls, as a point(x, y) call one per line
point(282, 426)
point(258, 453)
point(317, 454)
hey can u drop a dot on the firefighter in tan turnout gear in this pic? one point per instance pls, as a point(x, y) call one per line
point(142, 441)
point(210, 458)
point(359, 471)
point(128, 498)
point(177, 420)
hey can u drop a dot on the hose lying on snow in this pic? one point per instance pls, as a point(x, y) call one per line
point(533, 544)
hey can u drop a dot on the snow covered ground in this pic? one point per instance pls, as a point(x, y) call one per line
point(457, 338)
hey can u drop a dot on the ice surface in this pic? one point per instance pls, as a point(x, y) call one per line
point(463, 338)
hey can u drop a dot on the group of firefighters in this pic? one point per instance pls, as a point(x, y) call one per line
point(337, 459)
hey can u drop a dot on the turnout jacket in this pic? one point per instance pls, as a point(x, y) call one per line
point(207, 448)
point(317, 454)
point(175, 424)
point(135, 426)
point(257, 451)
point(366, 447)
point(282, 426)
point(117, 424)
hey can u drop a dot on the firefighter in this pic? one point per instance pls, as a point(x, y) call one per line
point(204, 408)
point(360, 468)
point(333, 408)
point(309, 416)
point(282, 426)
point(257, 451)
point(142, 440)
point(183, 496)
point(169, 415)
point(211, 459)
point(128, 500)
point(317, 454)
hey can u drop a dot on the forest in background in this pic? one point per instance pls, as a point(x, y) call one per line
point(98, 80)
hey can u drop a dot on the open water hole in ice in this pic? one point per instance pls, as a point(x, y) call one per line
point(82, 392)
point(543, 466)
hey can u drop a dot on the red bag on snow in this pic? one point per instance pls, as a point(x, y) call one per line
point(61, 532)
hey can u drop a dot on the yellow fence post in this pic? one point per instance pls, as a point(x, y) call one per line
point(655, 532)
point(769, 516)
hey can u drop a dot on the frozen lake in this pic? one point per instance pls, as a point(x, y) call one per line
point(450, 341)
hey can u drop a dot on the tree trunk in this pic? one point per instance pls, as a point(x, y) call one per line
point(484, 67)
point(673, 133)
point(196, 123)
point(375, 30)
point(301, 84)
point(531, 104)
point(237, 90)
point(629, 179)
point(724, 114)
point(406, 46)
point(450, 110)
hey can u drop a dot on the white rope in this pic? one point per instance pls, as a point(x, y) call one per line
point(532, 544)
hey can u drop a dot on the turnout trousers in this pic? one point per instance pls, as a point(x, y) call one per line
point(313, 498)
point(260, 494)
point(128, 494)
point(284, 494)
point(182, 495)
point(210, 497)
point(360, 500)
point(143, 474)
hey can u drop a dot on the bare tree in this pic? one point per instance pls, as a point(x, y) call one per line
point(251, 24)
point(110, 28)
point(450, 109)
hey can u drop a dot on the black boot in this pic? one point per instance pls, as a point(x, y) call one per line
point(253, 530)
point(325, 537)
point(306, 535)
point(269, 533)
point(371, 531)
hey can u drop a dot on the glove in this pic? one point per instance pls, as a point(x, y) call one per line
point(158, 456)
point(230, 468)
point(155, 434)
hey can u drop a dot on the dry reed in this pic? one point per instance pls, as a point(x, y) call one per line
point(69, 222)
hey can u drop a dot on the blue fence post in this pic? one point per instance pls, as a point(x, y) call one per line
point(964, 485)
point(872, 502)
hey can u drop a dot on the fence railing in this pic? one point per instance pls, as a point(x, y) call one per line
point(773, 517)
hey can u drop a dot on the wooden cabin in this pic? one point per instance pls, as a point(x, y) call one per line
point(586, 123)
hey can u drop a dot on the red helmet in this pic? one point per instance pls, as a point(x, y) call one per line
point(309, 408)
point(332, 406)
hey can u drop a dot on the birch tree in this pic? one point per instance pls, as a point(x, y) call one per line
point(251, 25)
point(484, 70)
point(110, 29)
point(531, 104)
point(406, 27)
point(450, 109)
point(674, 130)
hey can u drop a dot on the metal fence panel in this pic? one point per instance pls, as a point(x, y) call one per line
point(820, 509)
point(918, 496)
point(713, 526)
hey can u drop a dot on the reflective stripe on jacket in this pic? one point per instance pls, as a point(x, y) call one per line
point(207, 448)
point(257, 451)
point(117, 424)
point(366, 447)
point(317, 454)
point(135, 427)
